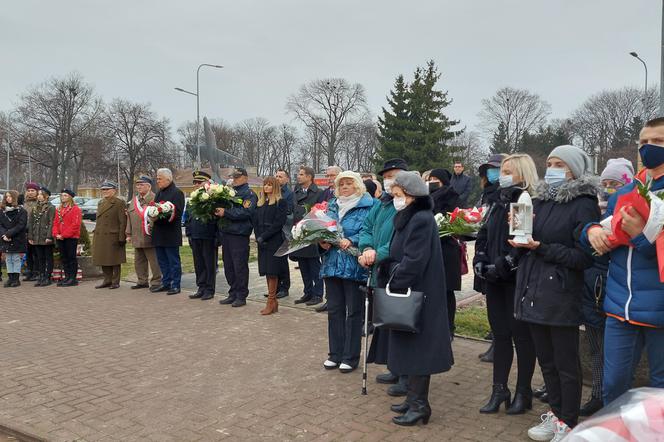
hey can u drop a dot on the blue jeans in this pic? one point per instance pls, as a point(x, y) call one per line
point(170, 266)
point(623, 343)
point(310, 270)
point(13, 262)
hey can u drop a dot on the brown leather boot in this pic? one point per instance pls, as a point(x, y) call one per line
point(272, 305)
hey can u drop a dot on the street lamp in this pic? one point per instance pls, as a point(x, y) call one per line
point(198, 107)
point(645, 89)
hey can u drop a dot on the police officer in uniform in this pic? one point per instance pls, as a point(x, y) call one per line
point(202, 240)
point(236, 228)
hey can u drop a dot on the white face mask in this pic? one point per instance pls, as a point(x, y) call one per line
point(399, 203)
point(506, 181)
point(388, 182)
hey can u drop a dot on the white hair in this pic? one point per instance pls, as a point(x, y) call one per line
point(337, 169)
point(166, 173)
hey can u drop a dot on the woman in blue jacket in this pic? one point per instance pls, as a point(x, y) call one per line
point(343, 275)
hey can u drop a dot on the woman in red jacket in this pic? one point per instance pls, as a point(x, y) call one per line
point(66, 230)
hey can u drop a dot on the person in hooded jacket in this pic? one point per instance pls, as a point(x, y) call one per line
point(343, 274)
point(13, 235)
point(414, 263)
point(549, 282)
point(446, 199)
point(493, 263)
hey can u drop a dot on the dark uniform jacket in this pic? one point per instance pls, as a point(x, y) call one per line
point(108, 245)
point(238, 218)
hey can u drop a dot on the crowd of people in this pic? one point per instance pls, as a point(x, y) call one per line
point(538, 292)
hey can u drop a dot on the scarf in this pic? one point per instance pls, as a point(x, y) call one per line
point(346, 203)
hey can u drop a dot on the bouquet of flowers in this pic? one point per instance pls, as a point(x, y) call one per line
point(650, 206)
point(161, 210)
point(315, 227)
point(460, 222)
point(205, 200)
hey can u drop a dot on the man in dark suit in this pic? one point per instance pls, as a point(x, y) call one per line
point(283, 177)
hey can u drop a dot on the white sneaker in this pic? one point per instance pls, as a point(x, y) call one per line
point(329, 365)
point(345, 368)
point(546, 430)
point(562, 430)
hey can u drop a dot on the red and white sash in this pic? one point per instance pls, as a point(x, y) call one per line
point(142, 213)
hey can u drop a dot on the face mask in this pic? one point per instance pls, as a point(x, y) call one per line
point(652, 155)
point(433, 187)
point(388, 182)
point(399, 203)
point(506, 180)
point(492, 175)
point(555, 176)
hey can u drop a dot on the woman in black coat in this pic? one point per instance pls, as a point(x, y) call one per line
point(415, 263)
point(549, 282)
point(13, 236)
point(268, 221)
point(494, 264)
point(446, 199)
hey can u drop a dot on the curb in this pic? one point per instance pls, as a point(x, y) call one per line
point(20, 434)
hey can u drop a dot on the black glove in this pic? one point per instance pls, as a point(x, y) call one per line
point(490, 273)
point(260, 240)
point(479, 269)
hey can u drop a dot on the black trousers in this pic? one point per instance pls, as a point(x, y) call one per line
point(557, 350)
point(205, 264)
point(43, 264)
point(344, 320)
point(67, 248)
point(235, 254)
point(310, 270)
point(451, 310)
point(30, 260)
point(284, 279)
point(506, 329)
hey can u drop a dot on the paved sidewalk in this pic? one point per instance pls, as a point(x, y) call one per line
point(103, 365)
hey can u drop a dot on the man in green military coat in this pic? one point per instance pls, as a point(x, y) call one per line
point(108, 244)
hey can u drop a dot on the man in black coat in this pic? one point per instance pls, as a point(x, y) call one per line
point(461, 183)
point(283, 176)
point(236, 228)
point(203, 242)
point(167, 234)
point(306, 195)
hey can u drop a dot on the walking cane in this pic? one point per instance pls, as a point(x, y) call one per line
point(366, 334)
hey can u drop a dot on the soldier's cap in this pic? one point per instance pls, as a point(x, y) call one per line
point(201, 177)
point(69, 192)
point(143, 180)
point(45, 190)
point(394, 163)
point(238, 172)
point(106, 185)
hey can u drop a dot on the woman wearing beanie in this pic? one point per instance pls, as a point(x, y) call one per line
point(13, 235)
point(446, 199)
point(415, 262)
point(343, 274)
point(549, 283)
point(617, 173)
point(496, 266)
point(66, 231)
point(40, 237)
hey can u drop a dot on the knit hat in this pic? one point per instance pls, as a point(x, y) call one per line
point(442, 174)
point(359, 184)
point(618, 169)
point(371, 187)
point(575, 158)
point(411, 183)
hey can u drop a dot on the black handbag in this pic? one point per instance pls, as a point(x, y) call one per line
point(397, 311)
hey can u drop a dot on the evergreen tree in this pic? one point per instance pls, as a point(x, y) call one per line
point(394, 123)
point(500, 143)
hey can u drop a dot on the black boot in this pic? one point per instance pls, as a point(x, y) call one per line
point(400, 388)
point(40, 281)
point(499, 395)
point(401, 408)
point(523, 400)
point(488, 356)
point(17, 280)
point(591, 407)
point(418, 410)
point(9, 281)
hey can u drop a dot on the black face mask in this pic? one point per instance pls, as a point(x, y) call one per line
point(433, 187)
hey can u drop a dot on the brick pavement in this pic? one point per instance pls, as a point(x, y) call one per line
point(102, 365)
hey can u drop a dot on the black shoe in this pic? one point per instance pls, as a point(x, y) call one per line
point(139, 286)
point(159, 288)
point(387, 378)
point(321, 308)
point(47, 282)
point(103, 285)
point(71, 282)
point(488, 357)
point(39, 282)
point(60, 282)
point(227, 301)
point(114, 286)
point(538, 392)
point(303, 299)
point(314, 300)
point(401, 408)
point(239, 303)
point(282, 294)
point(523, 400)
point(400, 388)
point(207, 296)
point(499, 394)
point(196, 295)
point(173, 291)
point(591, 407)
point(416, 411)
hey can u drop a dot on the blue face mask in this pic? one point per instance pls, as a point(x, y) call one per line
point(555, 176)
point(493, 175)
point(506, 181)
point(652, 155)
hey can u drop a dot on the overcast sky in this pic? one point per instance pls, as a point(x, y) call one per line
point(565, 50)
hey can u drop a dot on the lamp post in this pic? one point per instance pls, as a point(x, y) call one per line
point(645, 88)
point(198, 106)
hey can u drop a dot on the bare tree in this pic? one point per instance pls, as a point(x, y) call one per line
point(254, 136)
point(519, 110)
point(359, 148)
point(328, 108)
point(469, 151)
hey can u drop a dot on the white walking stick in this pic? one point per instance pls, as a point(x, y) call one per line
point(366, 334)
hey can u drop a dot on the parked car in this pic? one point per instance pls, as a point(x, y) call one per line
point(89, 209)
point(79, 200)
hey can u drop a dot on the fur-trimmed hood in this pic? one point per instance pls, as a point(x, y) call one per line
point(587, 185)
point(421, 203)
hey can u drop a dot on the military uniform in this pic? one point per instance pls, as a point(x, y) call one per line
point(108, 245)
point(144, 252)
point(30, 272)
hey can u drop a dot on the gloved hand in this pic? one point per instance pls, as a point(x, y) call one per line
point(490, 273)
point(479, 269)
point(260, 240)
